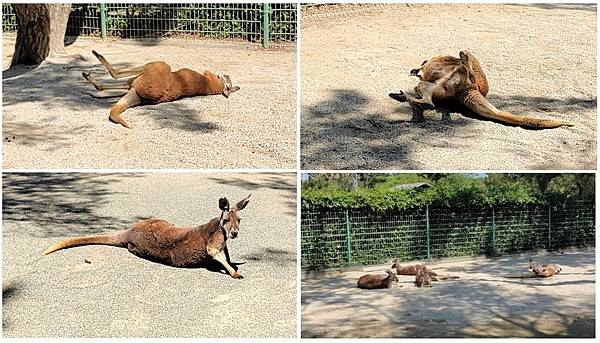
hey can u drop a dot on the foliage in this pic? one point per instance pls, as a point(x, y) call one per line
point(375, 191)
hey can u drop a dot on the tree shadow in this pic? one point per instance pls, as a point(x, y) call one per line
point(449, 308)
point(60, 204)
point(344, 132)
point(577, 7)
point(268, 181)
point(60, 90)
point(10, 290)
point(280, 258)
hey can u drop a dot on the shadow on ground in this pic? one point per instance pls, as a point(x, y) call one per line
point(344, 132)
point(60, 204)
point(270, 181)
point(577, 7)
point(60, 90)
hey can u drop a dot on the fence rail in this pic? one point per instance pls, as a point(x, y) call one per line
point(343, 238)
point(255, 22)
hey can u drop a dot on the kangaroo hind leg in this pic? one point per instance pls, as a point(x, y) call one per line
point(118, 73)
point(126, 85)
point(128, 100)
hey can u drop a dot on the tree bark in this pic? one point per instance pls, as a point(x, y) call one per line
point(40, 32)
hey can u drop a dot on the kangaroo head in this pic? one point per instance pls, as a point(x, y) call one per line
point(392, 274)
point(228, 88)
point(230, 218)
point(396, 264)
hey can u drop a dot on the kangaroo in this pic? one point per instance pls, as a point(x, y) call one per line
point(447, 79)
point(157, 240)
point(411, 270)
point(154, 82)
point(374, 281)
point(423, 279)
point(414, 269)
point(539, 270)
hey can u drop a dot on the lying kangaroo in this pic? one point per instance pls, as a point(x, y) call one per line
point(154, 82)
point(539, 270)
point(374, 281)
point(423, 279)
point(159, 241)
point(414, 269)
point(447, 79)
point(411, 270)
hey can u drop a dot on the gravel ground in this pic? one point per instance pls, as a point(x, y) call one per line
point(121, 295)
point(482, 303)
point(56, 123)
point(540, 61)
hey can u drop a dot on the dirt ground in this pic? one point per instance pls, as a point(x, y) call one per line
point(540, 61)
point(482, 303)
point(57, 123)
point(118, 294)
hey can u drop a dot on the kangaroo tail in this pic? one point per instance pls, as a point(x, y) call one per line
point(477, 103)
point(522, 276)
point(117, 240)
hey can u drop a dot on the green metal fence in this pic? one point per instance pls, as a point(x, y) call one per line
point(342, 238)
point(255, 22)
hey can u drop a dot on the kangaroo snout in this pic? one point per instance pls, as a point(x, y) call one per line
point(234, 233)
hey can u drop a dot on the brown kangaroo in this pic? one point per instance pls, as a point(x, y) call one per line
point(159, 241)
point(539, 270)
point(374, 281)
point(411, 270)
point(154, 82)
point(461, 81)
point(423, 279)
point(414, 270)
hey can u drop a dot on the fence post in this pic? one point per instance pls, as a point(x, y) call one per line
point(348, 239)
point(493, 231)
point(549, 227)
point(265, 25)
point(103, 20)
point(427, 232)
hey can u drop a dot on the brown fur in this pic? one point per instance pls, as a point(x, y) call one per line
point(159, 241)
point(447, 79)
point(411, 270)
point(423, 279)
point(154, 82)
point(539, 270)
point(375, 281)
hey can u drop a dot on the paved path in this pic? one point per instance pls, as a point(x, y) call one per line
point(118, 294)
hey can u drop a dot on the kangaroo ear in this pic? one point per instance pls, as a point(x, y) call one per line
point(234, 89)
point(224, 204)
point(242, 203)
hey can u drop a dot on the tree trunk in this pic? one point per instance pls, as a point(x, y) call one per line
point(40, 32)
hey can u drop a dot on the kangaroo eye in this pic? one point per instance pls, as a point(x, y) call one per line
point(239, 220)
point(225, 221)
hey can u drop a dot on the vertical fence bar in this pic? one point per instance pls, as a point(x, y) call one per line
point(103, 20)
point(493, 231)
point(549, 227)
point(427, 232)
point(348, 239)
point(265, 26)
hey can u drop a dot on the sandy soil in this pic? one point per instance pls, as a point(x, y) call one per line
point(118, 294)
point(57, 123)
point(482, 303)
point(540, 61)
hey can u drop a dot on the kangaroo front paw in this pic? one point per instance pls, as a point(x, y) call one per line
point(237, 275)
point(414, 72)
point(85, 75)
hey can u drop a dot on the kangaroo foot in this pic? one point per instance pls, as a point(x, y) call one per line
point(418, 116)
point(237, 275)
point(398, 96)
